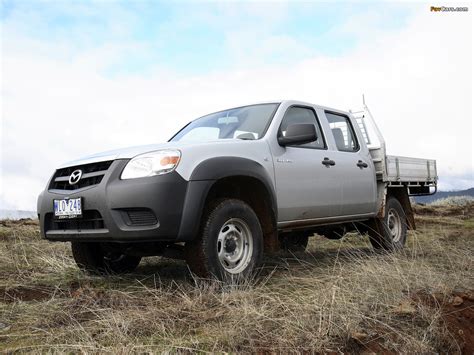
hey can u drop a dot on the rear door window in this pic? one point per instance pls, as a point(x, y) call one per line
point(343, 132)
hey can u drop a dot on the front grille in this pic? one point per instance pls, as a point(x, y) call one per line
point(91, 219)
point(140, 217)
point(92, 174)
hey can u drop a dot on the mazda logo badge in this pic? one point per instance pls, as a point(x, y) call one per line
point(75, 177)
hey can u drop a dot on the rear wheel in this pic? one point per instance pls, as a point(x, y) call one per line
point(390, 233)
point(230, 245)
point(94, 258)
point(294, 241)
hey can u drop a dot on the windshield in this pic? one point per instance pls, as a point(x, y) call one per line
point(247, 122)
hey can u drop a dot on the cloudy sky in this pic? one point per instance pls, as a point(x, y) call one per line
point(82, 77)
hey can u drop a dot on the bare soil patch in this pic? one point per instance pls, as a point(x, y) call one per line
point(25, 293)
point(457, 314)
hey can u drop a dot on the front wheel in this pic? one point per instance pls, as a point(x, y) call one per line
point(230, 245)
point(95, 259)
point(390, 233)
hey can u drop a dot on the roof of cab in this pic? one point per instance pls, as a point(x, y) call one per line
point(303, 103)
point(287, 101)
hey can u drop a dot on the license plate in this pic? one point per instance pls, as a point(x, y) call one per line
point(68, 208)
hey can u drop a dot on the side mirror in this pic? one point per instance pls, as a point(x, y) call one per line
point(300, 133)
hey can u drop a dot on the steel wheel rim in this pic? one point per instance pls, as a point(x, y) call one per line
point(235, 245)
point(394, 224)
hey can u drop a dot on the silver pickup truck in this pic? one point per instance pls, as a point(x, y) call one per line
point(233, 185)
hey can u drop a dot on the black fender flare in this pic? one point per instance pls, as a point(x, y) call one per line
point(204, 175)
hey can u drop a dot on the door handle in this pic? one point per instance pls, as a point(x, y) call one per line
point(328, 162)
point(361, 164)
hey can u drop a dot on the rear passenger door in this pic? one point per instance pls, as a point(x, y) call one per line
point(306, 189)
point(354, 165)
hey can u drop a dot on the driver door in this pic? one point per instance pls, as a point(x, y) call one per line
point(306, 188)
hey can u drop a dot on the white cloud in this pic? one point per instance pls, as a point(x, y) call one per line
point(58, 106)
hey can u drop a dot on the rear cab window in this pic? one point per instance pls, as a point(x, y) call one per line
point(343, 132)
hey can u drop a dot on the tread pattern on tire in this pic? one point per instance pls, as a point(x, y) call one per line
point(195, 251)
point(87, 258)
point(90, 258)
point(379, 235)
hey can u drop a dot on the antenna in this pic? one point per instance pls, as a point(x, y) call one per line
point(363, 99)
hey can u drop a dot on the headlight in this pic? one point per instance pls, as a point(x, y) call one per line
point(153, 163)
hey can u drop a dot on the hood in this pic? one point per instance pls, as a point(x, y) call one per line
point(130, 152)
point(124, 153)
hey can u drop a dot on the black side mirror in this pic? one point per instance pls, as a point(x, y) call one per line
point(300, 133)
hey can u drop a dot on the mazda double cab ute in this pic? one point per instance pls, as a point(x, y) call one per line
point(233, 185)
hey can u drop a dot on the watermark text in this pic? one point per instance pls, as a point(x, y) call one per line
point(448, 9)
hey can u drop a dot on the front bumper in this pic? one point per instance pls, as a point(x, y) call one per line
point(111, 200)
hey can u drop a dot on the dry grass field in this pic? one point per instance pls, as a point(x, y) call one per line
point(338, 296)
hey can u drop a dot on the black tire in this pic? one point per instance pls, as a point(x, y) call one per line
point(294, 242)
point(389, 233)
point(91, 258)
point(230, 229)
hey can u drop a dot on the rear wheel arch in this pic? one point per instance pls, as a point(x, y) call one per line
point(401, 194)
point(390, 232)
point(396, 209)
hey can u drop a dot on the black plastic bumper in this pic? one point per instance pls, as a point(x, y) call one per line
point(175, 203)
